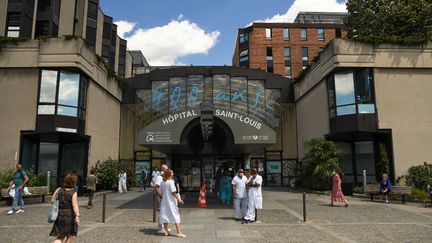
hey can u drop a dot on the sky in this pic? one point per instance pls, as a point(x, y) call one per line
point(199, 32)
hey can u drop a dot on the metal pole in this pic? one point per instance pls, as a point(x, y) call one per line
point(364, 181)
point(103, 207)
point(48, 181)
point(256, 214)
point(154, 207)
point(304, 206)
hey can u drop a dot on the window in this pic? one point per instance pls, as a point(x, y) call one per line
point(269, 68)
point(303, 34)
point(13, 31)
point(305, 55)
point(106, 31)
point(91, 35)
point(286, 34)
point(287, 53)
point(351, 92)
point(269, 54)
point(43, 5)
point(42, 28)
point(268, 33)
point(62, 93)
point(244, 37)
point(320, 34)
point(338, 33)
point(287, 71)
point(106, 52)
point(244, 55)
point(92, 10)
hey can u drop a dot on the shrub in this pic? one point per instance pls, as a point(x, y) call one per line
point(358, 190)
point(6, 177)
point(418, 195)
point(106, 172)
point(419, 176)
point(320, 161)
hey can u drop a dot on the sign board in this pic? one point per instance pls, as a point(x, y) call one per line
point(274, 167)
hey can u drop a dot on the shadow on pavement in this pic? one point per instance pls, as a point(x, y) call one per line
point(142, 202)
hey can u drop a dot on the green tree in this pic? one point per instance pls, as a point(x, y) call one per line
point(106, 172)
point(419, 176)
point(397, 21)
point(317, 165)
point(384, 162)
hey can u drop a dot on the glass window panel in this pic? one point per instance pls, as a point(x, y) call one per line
point(346, 161)
point(286, 34)
point(269, 51)
point(305, 54)
point(67, 111)
point(13, 31)
point(195, 86)
point(287, 53)
point(244, 55)
point(208, 88)
point(345, 110)
point(303, 34)
point(48, 158)
point(365, 160)
point(46, 109)
point(48, 86)
point(83, 93)
point(73, 158)
point(68, 88)
point(288, 71)
point(29, 153)
point(239, 94)
point(268, 33)
point(272, 107)
point(221, 91)
point(331, 91)
point(160, 98)
point(256, 99)
point(364, 93)
point(320, 34)
point(177, 97)
point(344, 86)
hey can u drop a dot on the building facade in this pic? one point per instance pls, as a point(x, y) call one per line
point(372, 100)
point(286, 48)
point(61, 67)
point(197, 119)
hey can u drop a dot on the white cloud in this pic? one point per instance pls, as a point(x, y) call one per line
point(124, 27)
point(164, 45)
point(309, 6)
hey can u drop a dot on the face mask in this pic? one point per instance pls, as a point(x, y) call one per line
point(240, 174)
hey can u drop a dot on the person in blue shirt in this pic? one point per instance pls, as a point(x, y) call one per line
point(385, 187)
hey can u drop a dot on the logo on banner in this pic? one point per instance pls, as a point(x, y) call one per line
point(150, 137)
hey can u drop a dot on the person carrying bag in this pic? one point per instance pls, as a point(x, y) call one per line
point(53, 213)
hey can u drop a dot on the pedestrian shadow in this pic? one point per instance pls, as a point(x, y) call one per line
point(142, 202)
point(149, 231)
point(227, 218)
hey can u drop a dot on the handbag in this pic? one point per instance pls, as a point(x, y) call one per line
point(53, 213)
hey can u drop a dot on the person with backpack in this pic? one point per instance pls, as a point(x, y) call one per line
point(20, 179)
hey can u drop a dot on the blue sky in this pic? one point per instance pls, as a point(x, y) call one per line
point(198, 32)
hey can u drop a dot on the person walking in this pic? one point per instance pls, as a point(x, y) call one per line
point(255, 196)
point(143, 180)
point(158, 179)
point(385, 187)
point(239, 194)
point(91, 186)
point(122, 184)
point(20, 179)
point(337, 195)
point(225, 188)
point(169, 212)
point(67, 222)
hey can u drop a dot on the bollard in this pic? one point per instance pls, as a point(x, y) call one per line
point(364, 181)
point(48, 181)
point(154, 207)
point(256, 214)
point(304, 206)
point(103, 207)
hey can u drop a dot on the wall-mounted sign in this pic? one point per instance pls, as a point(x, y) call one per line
point(274, 167)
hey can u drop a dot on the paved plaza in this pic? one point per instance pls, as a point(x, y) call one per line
point(129, 219)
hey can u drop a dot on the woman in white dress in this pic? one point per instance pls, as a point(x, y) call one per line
point(122, 182)
point(169, 212)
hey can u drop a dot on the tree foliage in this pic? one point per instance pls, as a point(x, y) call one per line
point(384, 162)
point(320, 161)
point(106, 172)
point(420, 176)
point(396, 21)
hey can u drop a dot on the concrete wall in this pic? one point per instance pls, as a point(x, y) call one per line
point(404, 101)
point(18, 99)
point(128, 66)
point(312, 116)
point(289, 131)
point(102, 124)
point(67, 18)
point(99, 32)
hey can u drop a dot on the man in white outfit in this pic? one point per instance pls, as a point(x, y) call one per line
point(255, 196)
point(157, 182)
point(239, 194)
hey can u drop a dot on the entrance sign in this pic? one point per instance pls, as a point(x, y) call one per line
point(274, 167)
point(245, 129)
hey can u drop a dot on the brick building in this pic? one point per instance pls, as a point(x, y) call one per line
point(286, 48)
